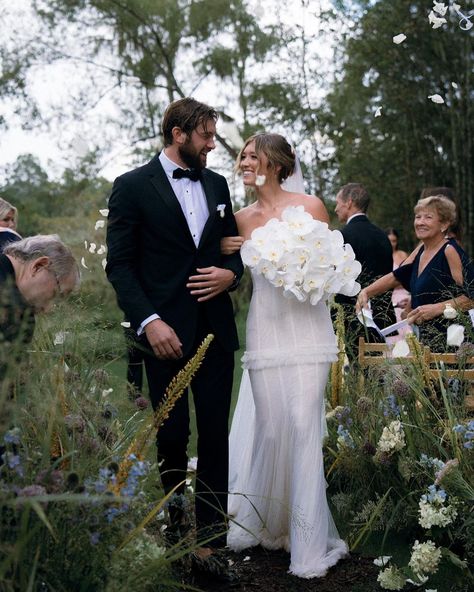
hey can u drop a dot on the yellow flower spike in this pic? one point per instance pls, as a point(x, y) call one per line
point(140, 444)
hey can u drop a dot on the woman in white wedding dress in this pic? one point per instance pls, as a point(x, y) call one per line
point(277, 485)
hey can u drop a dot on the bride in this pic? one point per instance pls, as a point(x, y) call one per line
point(277, 486)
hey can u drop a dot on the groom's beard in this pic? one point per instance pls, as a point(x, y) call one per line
point(188, 154)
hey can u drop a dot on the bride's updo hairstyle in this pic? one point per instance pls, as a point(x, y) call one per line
point(277, 150)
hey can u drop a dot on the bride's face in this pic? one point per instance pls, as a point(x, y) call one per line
point(252, 165)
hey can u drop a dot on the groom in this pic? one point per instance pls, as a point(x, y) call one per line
point(166, 221)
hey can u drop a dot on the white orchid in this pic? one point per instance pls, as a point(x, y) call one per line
point(301, 256)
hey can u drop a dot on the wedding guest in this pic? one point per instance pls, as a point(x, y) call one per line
point(166, 221)
point(435, 273)
point(400, 296)
point(8, 222)
point(33, 273)
point(374, 251)
point(276, 459)
point(455, 230)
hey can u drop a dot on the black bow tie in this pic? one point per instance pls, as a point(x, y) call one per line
point(193, 174)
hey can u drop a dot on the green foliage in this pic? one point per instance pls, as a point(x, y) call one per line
point(414, 143)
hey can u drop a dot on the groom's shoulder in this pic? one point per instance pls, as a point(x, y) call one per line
point(138, 174)
point(213, 176)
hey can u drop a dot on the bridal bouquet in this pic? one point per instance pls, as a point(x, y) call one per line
point(303, 257)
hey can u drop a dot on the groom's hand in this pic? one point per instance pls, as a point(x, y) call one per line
point(210, 282)
point(163, 340)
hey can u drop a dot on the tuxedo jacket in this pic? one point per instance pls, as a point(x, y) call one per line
point(151, 253)
point(374, 252)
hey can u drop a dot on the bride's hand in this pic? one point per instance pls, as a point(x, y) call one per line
point(231, 244)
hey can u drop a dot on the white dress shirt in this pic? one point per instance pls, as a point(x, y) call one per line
point(191, 198)
point(354, 215)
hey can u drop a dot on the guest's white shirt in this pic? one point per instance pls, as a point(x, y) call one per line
point(354, 215)
point(191, 198)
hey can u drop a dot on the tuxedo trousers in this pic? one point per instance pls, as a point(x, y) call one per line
point(212, 390)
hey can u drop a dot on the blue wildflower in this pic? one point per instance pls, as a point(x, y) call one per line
point(94, 538)
point(459, 429)
point(12, 436)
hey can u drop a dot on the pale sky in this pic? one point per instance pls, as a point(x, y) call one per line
point(54, 85)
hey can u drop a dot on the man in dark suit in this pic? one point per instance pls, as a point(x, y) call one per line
point(166, 221)
point(374, 251)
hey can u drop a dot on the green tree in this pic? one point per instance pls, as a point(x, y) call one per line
point(414, 143)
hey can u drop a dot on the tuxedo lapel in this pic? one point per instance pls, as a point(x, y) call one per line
point(165, 192)
point(211, 198)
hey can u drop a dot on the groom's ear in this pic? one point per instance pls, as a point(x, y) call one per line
point(179, 137)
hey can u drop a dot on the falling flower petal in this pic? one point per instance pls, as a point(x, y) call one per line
point(401, 349)
point(99, 224)
point(260, 180)
point(399, 38)
point(378, 112)
point(104, 213)
point(125, 324)
point(230, 562)
point(454, 85)
point(101, 250)
point(436, 99)
point(85, 244)
point(247, 558)
point(436, 21)
point(60, 338)
point(455, 335)
point(83, 263)
point(440, 8)
point(104, 263)
point(92, 248)
point(382, 561)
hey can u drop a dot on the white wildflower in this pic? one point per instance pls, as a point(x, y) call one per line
point(425, 558)
point(435, 514)
point(392, 438)
point(60, 338)
point(391, 579)
point(399, 38)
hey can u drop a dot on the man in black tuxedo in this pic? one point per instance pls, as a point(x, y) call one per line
point(166, 221)
point(374, 251)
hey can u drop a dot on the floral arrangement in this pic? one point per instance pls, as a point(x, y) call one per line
point(303, 257)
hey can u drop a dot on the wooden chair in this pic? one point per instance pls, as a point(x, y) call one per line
point(444, 365)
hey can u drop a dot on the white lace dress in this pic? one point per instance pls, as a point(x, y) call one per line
point(276, 481)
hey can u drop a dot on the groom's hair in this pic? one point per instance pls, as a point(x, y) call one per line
point(358, 193)
point(186, 114)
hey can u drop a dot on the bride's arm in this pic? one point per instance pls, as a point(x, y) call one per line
point(231, 244)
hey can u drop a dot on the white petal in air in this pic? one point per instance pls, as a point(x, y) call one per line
point(436, 99)
point(99, 224)
point(436, 21)
point(104, 263)
point(401, 349)
point(454, 85)
point(455, 335)
point(125, 324)
point(440, 8)
point(104, 213)
point(378, 112)
point(83, 263)
point(399, 38)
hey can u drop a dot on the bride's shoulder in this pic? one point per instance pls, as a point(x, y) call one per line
point(314, 206)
